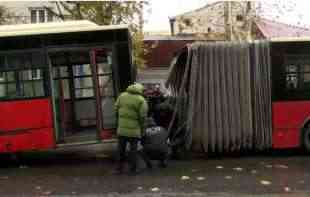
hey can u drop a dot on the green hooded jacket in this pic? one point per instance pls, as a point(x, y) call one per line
point(132, 111)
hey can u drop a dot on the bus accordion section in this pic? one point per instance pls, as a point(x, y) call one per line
point(223, 92)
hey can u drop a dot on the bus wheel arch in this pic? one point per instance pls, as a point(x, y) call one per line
point(305, 135)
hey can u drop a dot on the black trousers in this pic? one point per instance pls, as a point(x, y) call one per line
point(133, 151)
point(149, 154)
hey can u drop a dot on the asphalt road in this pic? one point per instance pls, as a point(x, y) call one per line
point(88, 171)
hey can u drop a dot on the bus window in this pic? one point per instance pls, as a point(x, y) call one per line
point(291, 77)
point(297, 79)
point(83, 81)
point(22, 84)
point(22, 76)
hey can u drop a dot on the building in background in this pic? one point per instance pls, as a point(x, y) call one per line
point(21, 12)
point(160, 51)
point(217, 20)
point(209, 21)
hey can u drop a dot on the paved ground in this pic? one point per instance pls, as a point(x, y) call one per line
point(87, 171)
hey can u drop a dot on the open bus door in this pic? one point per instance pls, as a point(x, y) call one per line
point(105, 88)
point(84, 95)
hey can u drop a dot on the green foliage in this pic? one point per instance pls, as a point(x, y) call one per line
point(3, 15)
point(108, 13)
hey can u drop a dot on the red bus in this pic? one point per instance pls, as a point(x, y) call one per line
point(291, 92)
point(236, 96)
point(58, 83)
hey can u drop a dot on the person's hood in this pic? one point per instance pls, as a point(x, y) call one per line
point(136, 88)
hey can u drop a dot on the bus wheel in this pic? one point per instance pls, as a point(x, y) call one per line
point(306, 139)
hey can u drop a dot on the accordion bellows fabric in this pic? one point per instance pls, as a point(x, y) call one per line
point(223, 94)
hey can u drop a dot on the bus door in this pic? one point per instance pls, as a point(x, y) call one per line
point(105, 91)
point(75, 98)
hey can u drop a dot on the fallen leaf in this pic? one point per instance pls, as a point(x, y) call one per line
point(238, 169)
point(281, 166)
point(228, 177)
point(47, 193)
point(268, 166)
point(263, 182)
point(201, 178)
point(219, 167)
point(185, 177)
point(287, 189)
point(253, 171)
point(155, 189)
point(23, 167)
point(38, 187)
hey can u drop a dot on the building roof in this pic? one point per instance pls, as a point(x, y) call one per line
point(196, 10)
point(54, 28)
point(165, 37)
point(272, 29)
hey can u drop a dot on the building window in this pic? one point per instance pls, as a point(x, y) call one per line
point(40, 15)
point(239, 18)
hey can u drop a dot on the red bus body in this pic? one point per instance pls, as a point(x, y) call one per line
point(58, 85)
point(288, 120)
point(290, 106)
point(26, 125)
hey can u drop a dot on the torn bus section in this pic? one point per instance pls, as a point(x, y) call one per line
point(223, 95)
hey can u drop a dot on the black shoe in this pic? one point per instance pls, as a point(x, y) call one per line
point(149, 165)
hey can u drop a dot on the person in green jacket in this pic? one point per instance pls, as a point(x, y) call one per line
point(132, 109)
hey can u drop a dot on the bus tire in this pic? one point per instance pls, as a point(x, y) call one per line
point(306, 139)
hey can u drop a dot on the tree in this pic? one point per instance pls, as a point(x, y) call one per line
point(107, 13)
point(3, 15)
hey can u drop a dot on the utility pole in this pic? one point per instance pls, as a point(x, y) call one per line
point(227, 20)
point(141, 17)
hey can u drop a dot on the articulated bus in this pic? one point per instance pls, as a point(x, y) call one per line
point(58, 83)
point(245, 95)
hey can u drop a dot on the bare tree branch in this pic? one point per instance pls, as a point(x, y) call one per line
point(59, 14)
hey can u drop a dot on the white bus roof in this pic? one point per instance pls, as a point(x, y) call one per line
point(291, 39)
point(54, 28)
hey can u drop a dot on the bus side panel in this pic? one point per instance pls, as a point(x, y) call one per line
point(25, 114)
point(26, 125)
point(288, 118)
point(41, 139)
